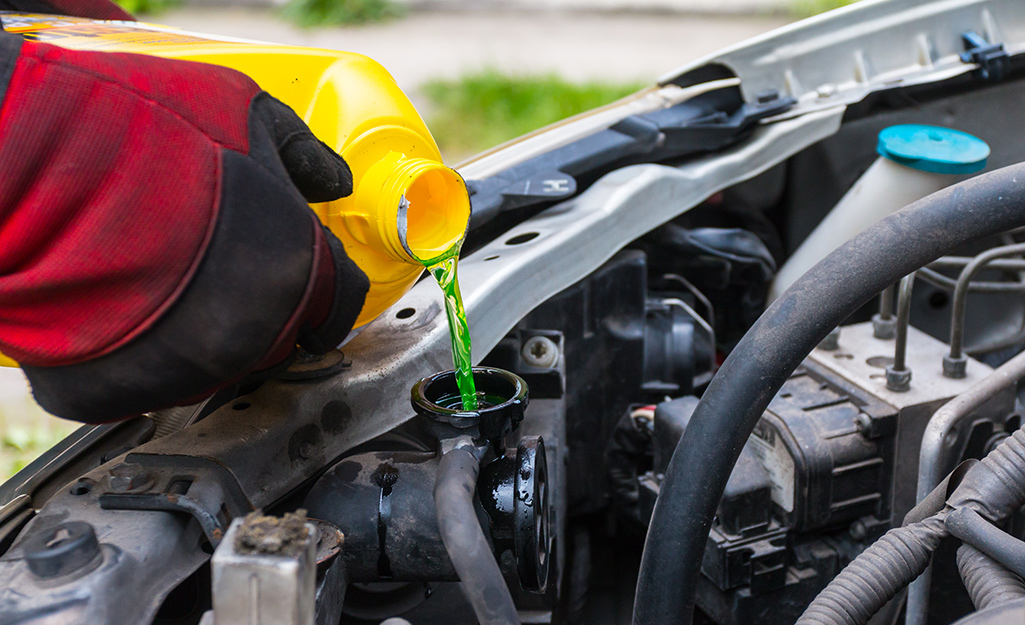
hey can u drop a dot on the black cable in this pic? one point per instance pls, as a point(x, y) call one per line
point(987, 582)
point(876, 576)
point(768, 354)
point(972, 529)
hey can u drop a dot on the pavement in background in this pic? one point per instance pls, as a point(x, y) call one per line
point(425, 45)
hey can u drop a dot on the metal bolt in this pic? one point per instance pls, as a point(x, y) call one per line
point(883, 328)
point(832, 340)
point(863, 422)
point(858, 531)
point(826, 90)
point(303, 357)
point(898, 380)
point(955, 367)
point(127, 476)
point(540, 351)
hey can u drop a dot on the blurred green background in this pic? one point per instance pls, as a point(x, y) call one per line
point(25, 430)
point(481, 110)
point(310, 13)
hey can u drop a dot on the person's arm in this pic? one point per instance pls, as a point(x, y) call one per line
point(155, 241)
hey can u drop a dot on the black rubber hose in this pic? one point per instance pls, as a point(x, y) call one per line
point(972, 529)
point(988, 583)
point(464, 540)
point(777, 343)
point(995, 487)
point(877, 575)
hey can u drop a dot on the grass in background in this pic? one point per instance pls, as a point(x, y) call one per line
point(21, 444)
point(307, 13)
point(807, 8)
point(25, 430)
point(147, 7)
point(481, 110)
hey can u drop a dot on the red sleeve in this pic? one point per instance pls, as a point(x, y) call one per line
point(108, 211)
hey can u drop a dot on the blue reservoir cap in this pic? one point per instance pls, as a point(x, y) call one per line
point(933, 149)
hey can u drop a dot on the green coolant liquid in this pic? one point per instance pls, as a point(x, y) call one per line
point(444, 272)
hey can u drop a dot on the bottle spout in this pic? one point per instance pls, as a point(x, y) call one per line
point(415, 210)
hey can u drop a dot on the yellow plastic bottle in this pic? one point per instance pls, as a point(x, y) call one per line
point(406, 208)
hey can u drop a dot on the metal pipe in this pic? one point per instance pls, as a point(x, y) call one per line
point(907, 284)
point(935, 455)
point(898, 376)
point(938, 279)
point(886, 303)
point(958, 262)
point(883, 325)
point(961, 294)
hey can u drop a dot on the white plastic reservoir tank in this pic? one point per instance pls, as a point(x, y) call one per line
point(914, 161)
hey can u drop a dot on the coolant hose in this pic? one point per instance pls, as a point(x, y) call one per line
point(988, 582)
point(877, 575)
point(972, 529)
point(995, 487)
point(777, 343)
point(465, 543)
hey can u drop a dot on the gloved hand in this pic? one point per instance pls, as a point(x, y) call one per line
point(155, 241)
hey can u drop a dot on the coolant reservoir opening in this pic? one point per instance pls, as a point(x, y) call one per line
point(435, 214)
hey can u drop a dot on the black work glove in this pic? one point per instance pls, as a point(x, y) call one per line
point(155, 239)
